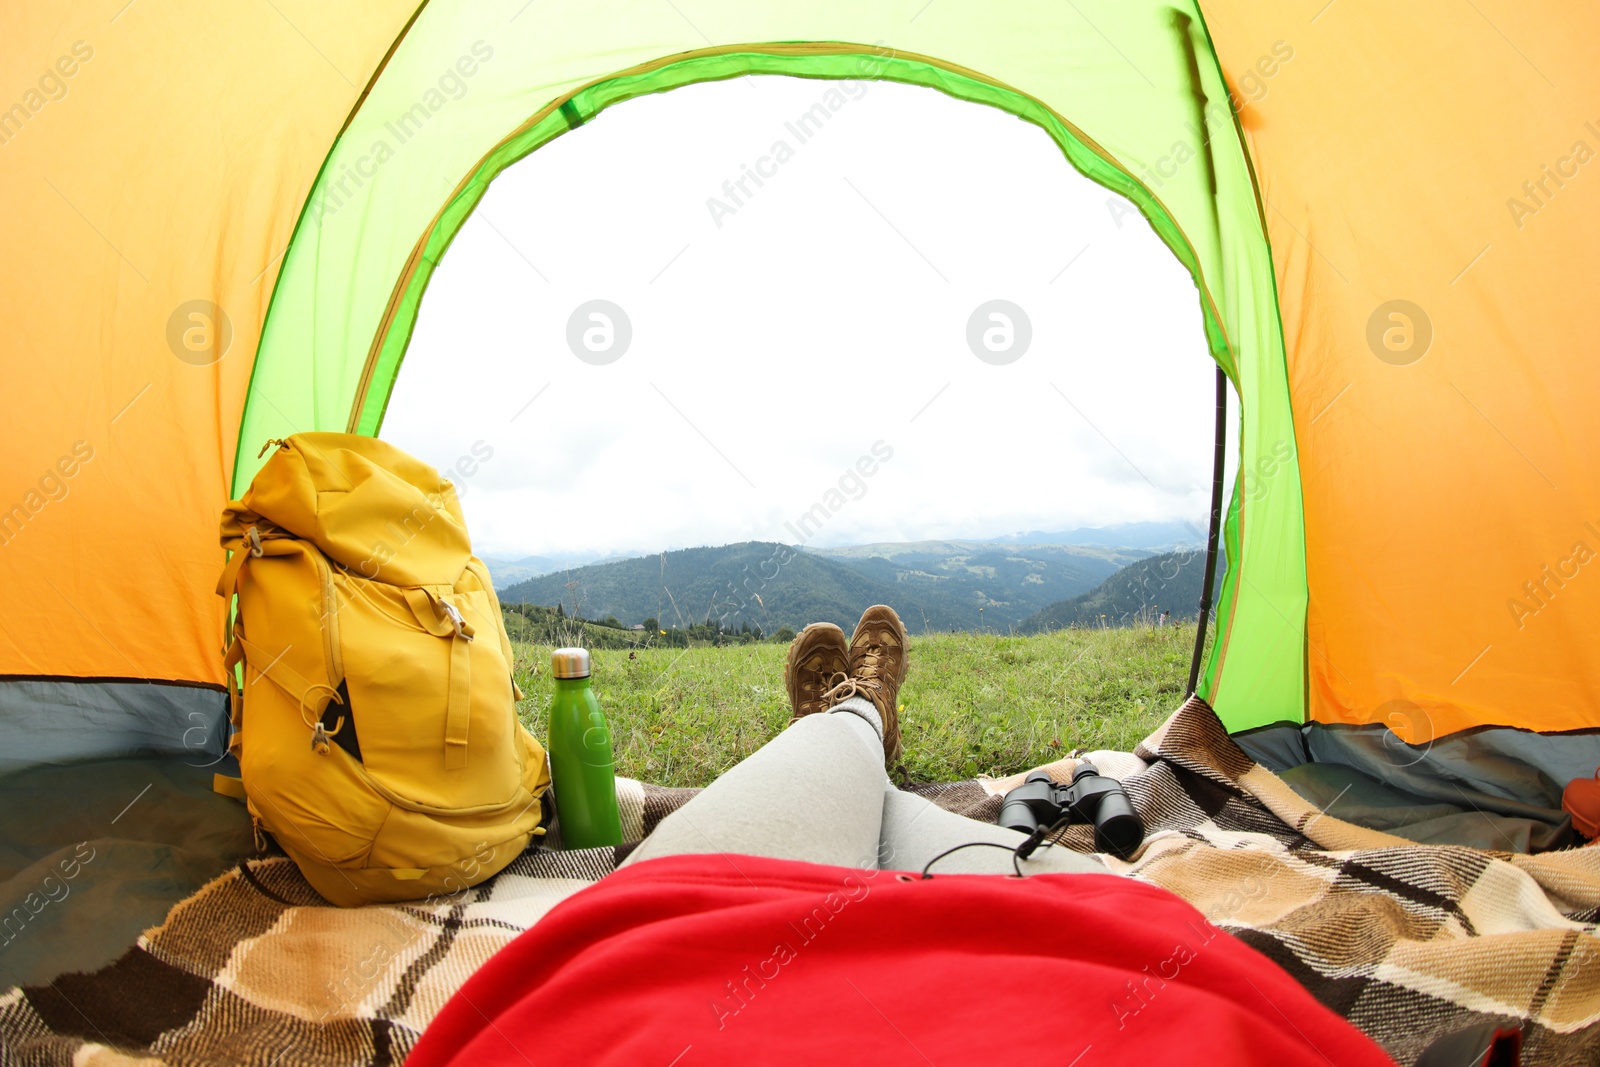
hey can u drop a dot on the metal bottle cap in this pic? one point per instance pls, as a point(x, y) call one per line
point(570, 663)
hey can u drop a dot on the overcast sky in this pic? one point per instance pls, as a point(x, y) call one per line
point(781, 330)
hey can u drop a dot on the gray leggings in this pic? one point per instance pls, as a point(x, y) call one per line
point(817, 792)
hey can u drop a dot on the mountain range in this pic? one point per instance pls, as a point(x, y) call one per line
point(508, 572)
point(1150, 536)
point(935, 585)
point(1130, 539)
point(1137, 593)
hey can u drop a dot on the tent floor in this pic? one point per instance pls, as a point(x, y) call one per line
point(1494, 789)
point(93, 853)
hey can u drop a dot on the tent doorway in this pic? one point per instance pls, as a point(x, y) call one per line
point(850, 276)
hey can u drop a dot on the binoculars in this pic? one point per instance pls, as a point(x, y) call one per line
point(1039, 805)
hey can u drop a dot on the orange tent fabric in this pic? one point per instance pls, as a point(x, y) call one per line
point(1445, 155)
point(155, 163)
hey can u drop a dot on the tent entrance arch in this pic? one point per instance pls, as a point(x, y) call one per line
point(818, 61)
point(750, 240)
point(1218, 247)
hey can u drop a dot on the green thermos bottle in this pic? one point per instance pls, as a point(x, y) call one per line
point(582, 770)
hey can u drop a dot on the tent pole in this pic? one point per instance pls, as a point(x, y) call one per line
point(1218, 460)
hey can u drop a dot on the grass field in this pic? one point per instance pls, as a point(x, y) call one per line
point(974, 703)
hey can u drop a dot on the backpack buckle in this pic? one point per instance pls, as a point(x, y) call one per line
point(456, 619)
point(319, 739)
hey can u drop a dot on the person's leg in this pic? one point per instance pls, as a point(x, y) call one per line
point(815, 792)
point(915, 830)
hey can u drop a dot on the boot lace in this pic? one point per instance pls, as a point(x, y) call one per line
point(844, 686)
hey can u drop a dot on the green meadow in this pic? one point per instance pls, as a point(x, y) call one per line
point(973, 703)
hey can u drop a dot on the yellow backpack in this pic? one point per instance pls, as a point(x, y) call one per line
point(376, 727)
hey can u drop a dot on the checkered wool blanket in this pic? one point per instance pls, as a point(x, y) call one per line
point(1407, 941)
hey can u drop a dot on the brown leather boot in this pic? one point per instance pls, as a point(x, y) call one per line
point(818, 660)
point(878, 668)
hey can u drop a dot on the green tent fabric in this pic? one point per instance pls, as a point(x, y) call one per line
point(1151, 120)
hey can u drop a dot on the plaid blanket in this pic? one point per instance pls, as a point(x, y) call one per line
point(1407, 941)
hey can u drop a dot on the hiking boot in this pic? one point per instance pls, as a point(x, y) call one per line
point(878, 668)
point(818, 660)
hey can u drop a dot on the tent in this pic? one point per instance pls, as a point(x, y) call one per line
point(221, 223)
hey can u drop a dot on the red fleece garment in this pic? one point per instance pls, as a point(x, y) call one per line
point(686, 961)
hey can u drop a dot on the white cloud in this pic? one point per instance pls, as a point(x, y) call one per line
point(828, 311)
